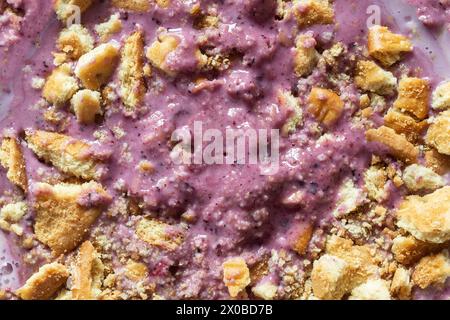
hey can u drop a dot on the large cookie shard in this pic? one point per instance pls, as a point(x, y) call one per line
point(67, 154)
point(432, 270)
point(88, 273)
point(413, 97)
point(45, 283)
point(131, 74)
point(438, 134)
point(325, 105)
point(65, 212)
point(427, 218)
point(11, 158)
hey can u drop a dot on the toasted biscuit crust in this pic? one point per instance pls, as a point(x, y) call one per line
point(441, 96)
point(136, 271)
point(330, 277)
point(408, 250)
point(62, 217)
point(325, 105)
point(375, 180)
point(86, 104)
point(108, 28)
point(65, 153)
point(397, 145)
point(11, 158)
point(440, 163)
point(311, 12)
point(306, 55)
point(96, 67)
point(432, 270)
point(374, 289)
point(87, 274)
point(404, 124)
point(132, 5)
point(45, 283)
point(60, 85)
point(418, 178)
point(159, 234)
point(427, 218)
point(438, 135)
point(131, 74)
point(158, 51)
point(387, 47)
point(371, 77)
point(401, 286)
point(413, 97)
point(65, 8)
point(75, 41)
point(236, 275)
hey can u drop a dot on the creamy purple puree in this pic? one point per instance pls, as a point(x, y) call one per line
point(224, 211)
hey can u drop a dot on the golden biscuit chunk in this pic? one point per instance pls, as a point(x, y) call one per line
point(60, 86)
point(11, 158)
point(330, 277)
point(303, 238)
point(236, 275)
point(65, 212)
point(441, 97)
point(401, 286)
point(287, 101)
point(371, 77)
point(136, 271)
point(95, 68)
point(265, 290)
point(45, 283)
point(408, 250)
point(325, 105)
point(67, 154)
point(75, 41)
point(132, 5)
point(311, 12)
point(306, 55)
point(387, 47)
point(158, 51)
point(106, 29)
point(439, 163)
point(160, 234)
point(404, 124)
point(131, 74)
point(438, 135)
point(413, 97)
point(396, 144)
point(66, 9)
point(432, 270)
point(427, 218)
point(86, 104)
point(88, 273)
point(349, 198)
point(417, 177)
point(375, 180)
point(373, 289)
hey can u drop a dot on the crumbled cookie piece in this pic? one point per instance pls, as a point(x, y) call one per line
point(441, 97)
point(374, 289)
point(438, 135)
point(396, 144)
point(160, 234)
point(349, 199)
point(330, 277)
point(417, 177)
point(11, 158)
point(236, 275)
point(75, 41)
point(413, 97)
point(401, 286)
point(387, 47)
point(106, 29)
point(375, 180)
point(371, 77)
point(131, 74)
point(45, 283)
point(325, 105)
point(132, 5)
point(136, 271)
point(88, 273)
point(439, 163)
point(86, 104)
point(65, 212)
point(10, 216)
point(408, 250)
point(66, 9)
point(265, 290)
point(302, 238)
point(427, 218)
point(96, 67)
point(65, 153)
point(306, 55)
point(404, 124)
point(60, 86)
point(311, 12)
point(432, 270)
point(289, 102)
point(158, 51)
